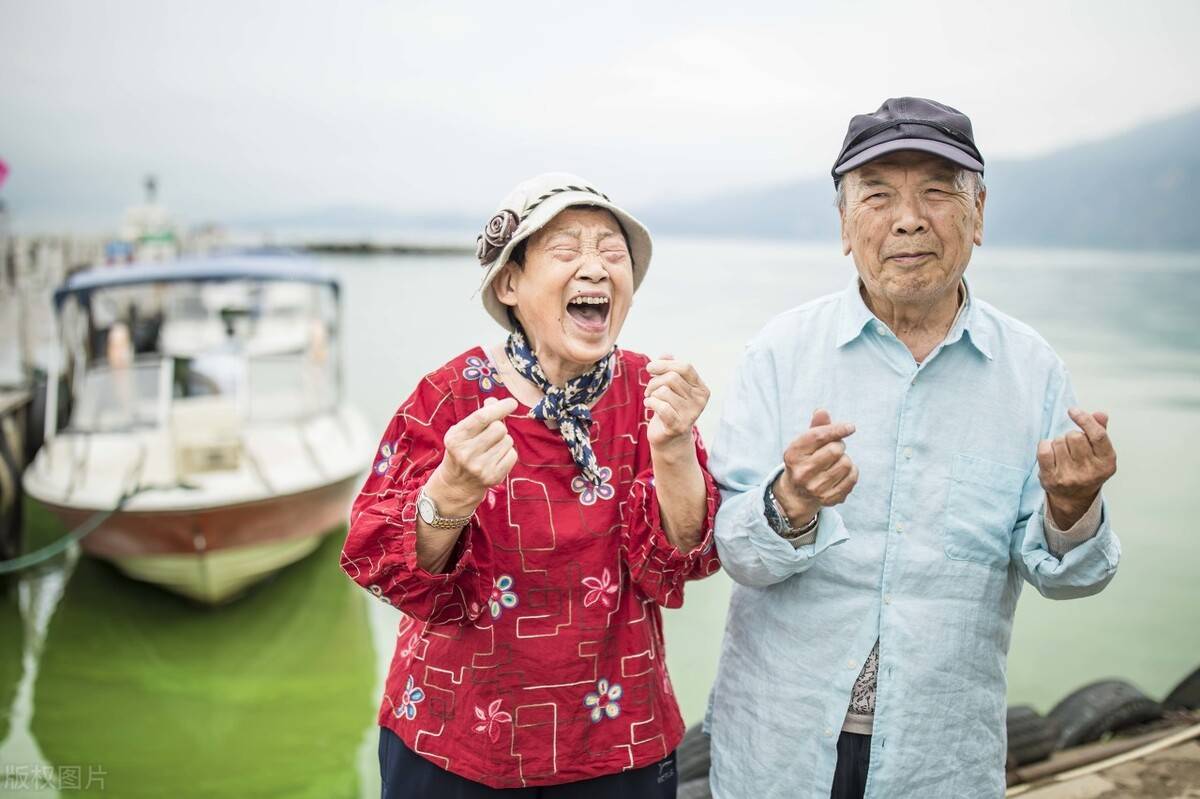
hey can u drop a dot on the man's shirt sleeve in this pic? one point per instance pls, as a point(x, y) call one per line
point(1068, 569)
point(746, 458)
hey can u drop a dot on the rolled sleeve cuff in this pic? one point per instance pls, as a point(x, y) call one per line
point(661, 546)
point(789, 556)
point(461, 558)
point(1060, 541)
point(1081, 571)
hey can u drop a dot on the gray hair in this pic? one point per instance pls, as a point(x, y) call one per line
point(964, 180)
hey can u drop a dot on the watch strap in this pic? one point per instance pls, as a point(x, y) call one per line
point(439, 521)
point(778, 519)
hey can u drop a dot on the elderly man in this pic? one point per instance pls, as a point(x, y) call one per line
point(895, 459)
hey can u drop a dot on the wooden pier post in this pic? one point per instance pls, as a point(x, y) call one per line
point(14, 406)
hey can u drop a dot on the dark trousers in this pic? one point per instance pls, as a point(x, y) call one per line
point(407, 775)
point(854, 758)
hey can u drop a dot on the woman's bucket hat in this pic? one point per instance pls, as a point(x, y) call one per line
point(528, 208)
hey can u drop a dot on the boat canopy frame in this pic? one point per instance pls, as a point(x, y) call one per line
point(217, 269)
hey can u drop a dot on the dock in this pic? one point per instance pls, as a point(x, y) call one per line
point(1163, 765)
point(14, 415)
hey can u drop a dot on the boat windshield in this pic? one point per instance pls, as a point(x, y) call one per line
point(263, 388)
point(285, 387)
point(268, 350)
point(122, 396)
point(262, 317)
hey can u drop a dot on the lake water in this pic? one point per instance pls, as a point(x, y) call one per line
point(146, 695)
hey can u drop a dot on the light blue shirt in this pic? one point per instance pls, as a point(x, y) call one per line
point(927, 555)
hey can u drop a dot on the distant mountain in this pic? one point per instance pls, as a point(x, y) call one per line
point(361, 220)
point(1130, 191)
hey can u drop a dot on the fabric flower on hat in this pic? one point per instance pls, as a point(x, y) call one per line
point(495, 236)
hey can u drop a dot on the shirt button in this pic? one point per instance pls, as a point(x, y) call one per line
point(828, 732)
point(899, 527)
point(852, 664)
point(908, 452)
point(881, 330)
point(887, 599)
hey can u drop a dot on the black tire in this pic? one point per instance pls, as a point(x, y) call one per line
point(694, 789)
point(1186, 695)
point(1099, 708)
point(692, 758)
point(1031, 736)
point(1021, 718)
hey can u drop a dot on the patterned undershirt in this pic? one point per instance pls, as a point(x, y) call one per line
point(861, 716)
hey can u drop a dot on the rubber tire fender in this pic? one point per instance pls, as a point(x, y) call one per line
point(1099, 708)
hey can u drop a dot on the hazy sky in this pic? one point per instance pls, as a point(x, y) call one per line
point(248, 108)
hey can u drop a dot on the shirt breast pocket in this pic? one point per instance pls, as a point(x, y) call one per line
point(982, 507)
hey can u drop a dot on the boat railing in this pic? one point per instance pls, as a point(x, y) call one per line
point(260, 388)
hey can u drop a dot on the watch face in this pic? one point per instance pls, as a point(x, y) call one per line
point(426, 509)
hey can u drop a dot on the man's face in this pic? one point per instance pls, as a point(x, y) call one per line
point(909, 228)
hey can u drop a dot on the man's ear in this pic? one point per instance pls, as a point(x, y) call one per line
point(504, 284)
point(845, 235)
point(979, 203)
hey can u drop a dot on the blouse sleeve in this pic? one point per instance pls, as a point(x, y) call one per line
point(380, 552)
point(656, 567)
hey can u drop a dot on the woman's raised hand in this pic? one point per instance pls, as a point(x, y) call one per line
point(677, 395)
point(479, 455)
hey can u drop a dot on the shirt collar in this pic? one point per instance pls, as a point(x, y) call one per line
point(855, 315)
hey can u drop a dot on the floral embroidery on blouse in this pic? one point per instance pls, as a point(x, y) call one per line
point(501, 596)
point(408, 702)
point(603, 701)
point(589, 492)
point(378, 592)
point(482, 372)
point(490, 721)
point(600, 589)
point(386, 452)
point(410, 648)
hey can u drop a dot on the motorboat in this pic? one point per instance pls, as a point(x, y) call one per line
point(211, 463)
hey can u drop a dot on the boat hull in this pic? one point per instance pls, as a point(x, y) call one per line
point(219, 575)
point(213, 554)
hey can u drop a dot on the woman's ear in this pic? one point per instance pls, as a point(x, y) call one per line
point(504, 284)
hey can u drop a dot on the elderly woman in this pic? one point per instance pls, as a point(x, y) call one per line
point(532, 505)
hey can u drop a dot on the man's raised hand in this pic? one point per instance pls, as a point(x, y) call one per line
point(817, 471)
point(1073, 467)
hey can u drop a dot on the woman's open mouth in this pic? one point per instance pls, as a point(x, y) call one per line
point(590, 312)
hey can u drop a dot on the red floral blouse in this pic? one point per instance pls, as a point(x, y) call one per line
point(537, 657)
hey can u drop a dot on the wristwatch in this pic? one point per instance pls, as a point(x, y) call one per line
point(428, 511)
point(778, 518)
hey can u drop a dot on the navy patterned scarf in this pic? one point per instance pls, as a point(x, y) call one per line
point(567, 405)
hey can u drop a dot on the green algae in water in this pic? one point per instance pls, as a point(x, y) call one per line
point(268, 696)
